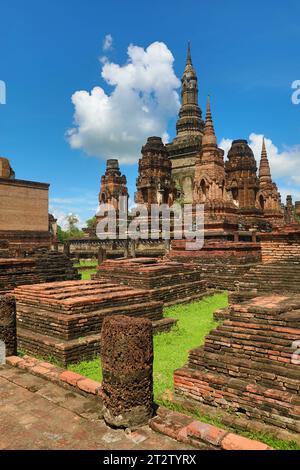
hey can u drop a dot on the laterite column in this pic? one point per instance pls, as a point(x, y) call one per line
point(8, 334)
point(127, 363)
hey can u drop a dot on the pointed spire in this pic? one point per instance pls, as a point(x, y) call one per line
point(209, 137)
point(189, 55)
point(190, 115)
point(264, 167)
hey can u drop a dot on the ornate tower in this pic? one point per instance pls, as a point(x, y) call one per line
point(210, 184)
point(268, 198)
point(242, 182)
point(154, 180)
point(113, 184)
point(187, 143)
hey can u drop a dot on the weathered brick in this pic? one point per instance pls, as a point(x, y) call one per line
point(235, 442)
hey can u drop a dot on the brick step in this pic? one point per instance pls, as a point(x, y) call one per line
point(236, 395)
point(261, 369)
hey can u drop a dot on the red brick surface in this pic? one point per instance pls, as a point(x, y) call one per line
point(234, 442)
point(70, 377)
point(89, 386)
point(175, 425)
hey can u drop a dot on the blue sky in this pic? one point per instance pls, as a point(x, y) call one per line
point(246, 56)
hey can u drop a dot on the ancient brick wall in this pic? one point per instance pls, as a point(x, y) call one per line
point(246, 364)
point(41, 266)
point(64, 319)
point(221, 263)
point(23, 206)
point(280, 246)
point(168, 282)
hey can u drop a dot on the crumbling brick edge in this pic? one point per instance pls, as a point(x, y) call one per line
point(176, 425)
point(65, 378)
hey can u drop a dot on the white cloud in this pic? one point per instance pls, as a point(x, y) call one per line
point(143, 99)
point(285, 165)
point(225, 144)
point(61, 217)
point(108, 42)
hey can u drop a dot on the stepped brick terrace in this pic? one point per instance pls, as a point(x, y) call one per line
point(39, 267)
point(220, 262)
point(281, 277)
point(246, 363)
point(166, 281)
point(64, 319)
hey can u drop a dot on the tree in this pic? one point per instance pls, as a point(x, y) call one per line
point(72, 222)
point(72, 231)
point(90, 223)
point(62, 236)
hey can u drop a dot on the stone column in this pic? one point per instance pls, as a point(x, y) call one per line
point(67, 249)
point(126, 249)
point(167, 244)
point(133, 248)
point(8, 334)
point(101, 255)
point(127, 363)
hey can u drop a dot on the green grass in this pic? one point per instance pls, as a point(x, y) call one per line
point(86, 262)
point(195, 320)
point(86, 275)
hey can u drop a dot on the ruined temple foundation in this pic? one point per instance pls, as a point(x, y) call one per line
point(127, 363)
point(220, 262)
point(246, 365)
point(39, 267)
point(63, 320)
point(165, 281)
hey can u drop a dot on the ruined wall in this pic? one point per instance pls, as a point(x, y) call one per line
point(23, 206)
point(280, 246)
point(246, 364)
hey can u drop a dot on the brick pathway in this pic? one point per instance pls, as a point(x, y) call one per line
point(37, 414)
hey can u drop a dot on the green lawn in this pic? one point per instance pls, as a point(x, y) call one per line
point(171, 349)
point(86, 262)
point(86, 275)
point(195, 320)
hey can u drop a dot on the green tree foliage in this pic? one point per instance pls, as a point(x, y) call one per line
point(91, 223)
point(73, 231)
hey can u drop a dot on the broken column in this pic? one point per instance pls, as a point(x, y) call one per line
point(101, 255)
point(8, 335)
point(127, 363)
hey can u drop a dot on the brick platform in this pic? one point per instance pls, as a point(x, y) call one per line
point(166, 281)
point(64, 319)
point(280, 277)
point(40, 266)
point(219, 262)
point(246, 364)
